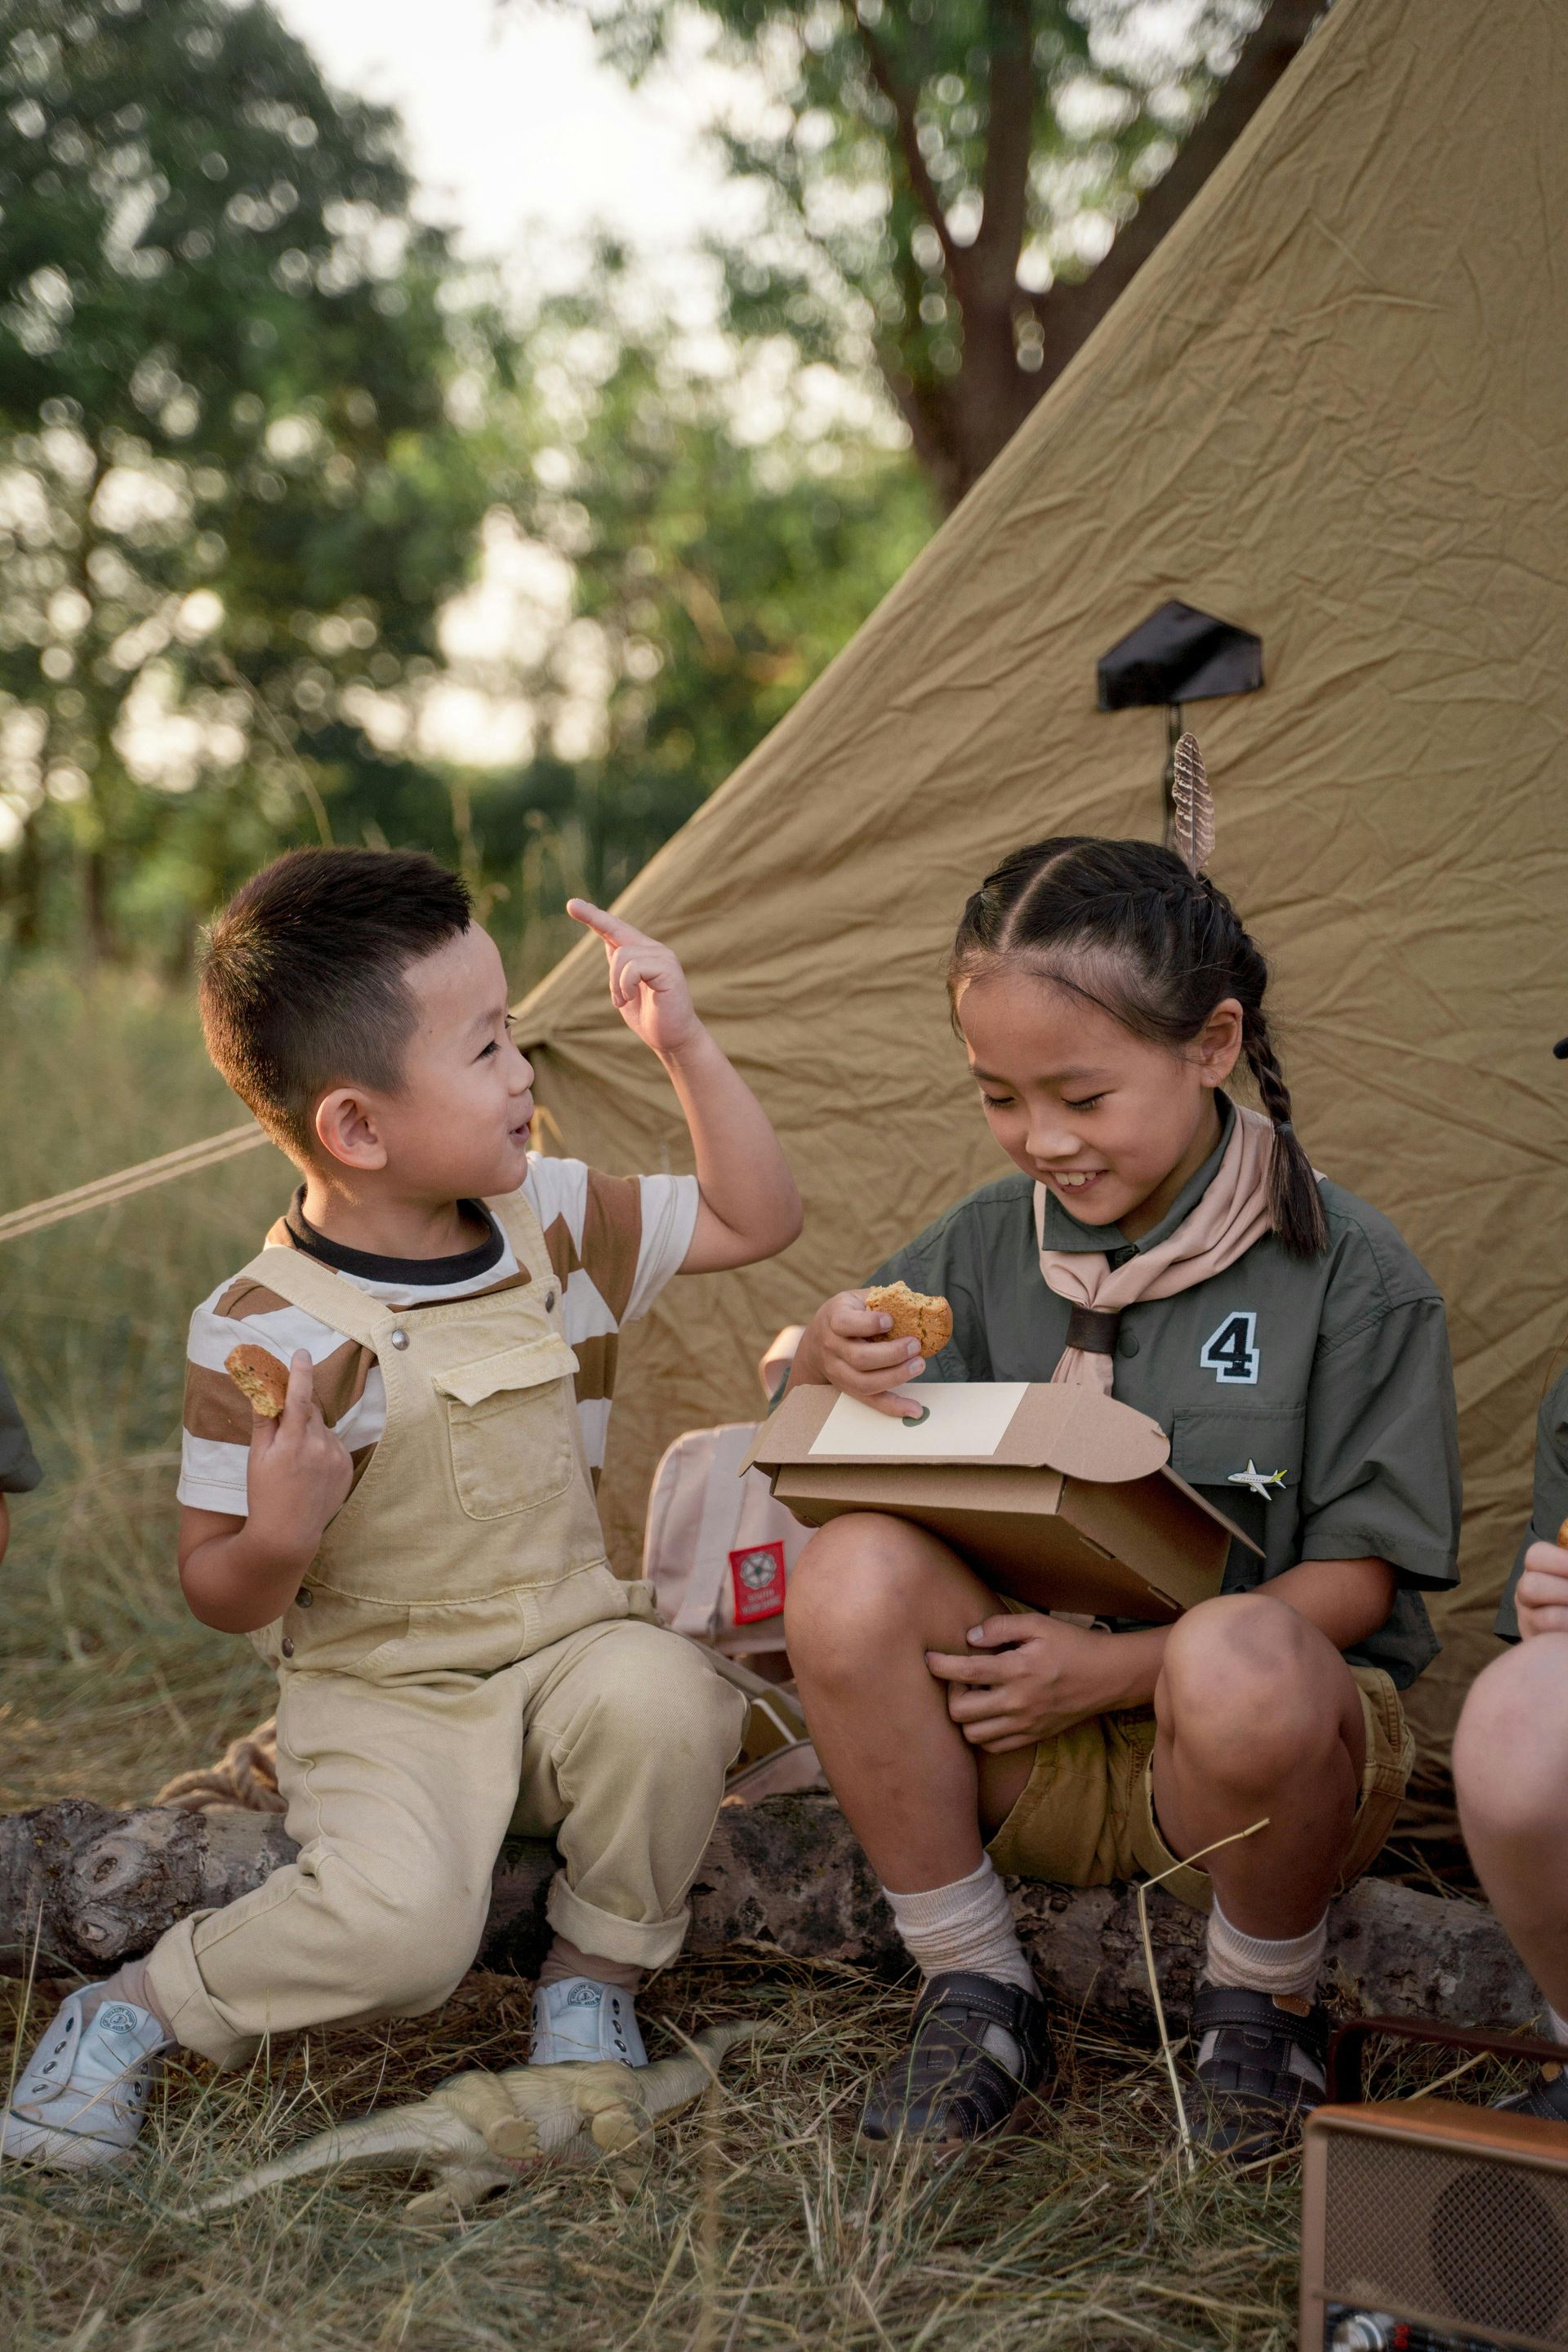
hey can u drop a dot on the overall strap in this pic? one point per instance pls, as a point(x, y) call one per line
point(309, 1284)
point(514, 1213)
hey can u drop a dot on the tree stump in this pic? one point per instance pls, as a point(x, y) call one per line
point(83, 1887)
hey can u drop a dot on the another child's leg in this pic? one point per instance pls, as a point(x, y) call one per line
point(1510, 1775)
point(868, 1597)
point(630, 1732)
point(398, 1798)
point(1259, 1719)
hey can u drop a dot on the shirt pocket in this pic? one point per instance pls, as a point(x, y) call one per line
point(1246, 1460)
point(509, 1426)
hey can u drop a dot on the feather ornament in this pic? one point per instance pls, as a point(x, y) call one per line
point(1194, 807)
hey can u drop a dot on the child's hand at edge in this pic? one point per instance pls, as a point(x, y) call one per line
point(647, 986)
point(845, 1344)
point(300, 1473)
point(1541, 1600)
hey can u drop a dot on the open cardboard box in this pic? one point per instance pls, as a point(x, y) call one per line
point(1058, 1497)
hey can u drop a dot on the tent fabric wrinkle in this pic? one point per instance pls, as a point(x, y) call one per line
point(1330, 407)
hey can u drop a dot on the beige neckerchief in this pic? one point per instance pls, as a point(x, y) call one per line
point(1215, 1231)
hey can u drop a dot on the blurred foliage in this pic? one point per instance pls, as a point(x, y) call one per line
point(259, 432)
point(229, 481)
point(932, 169)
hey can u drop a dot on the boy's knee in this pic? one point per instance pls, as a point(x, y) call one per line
point(1511, 1749)
point(1245, 1676)
point(655, 1693)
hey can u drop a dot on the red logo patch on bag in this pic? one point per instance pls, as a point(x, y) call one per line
point(758, 1575)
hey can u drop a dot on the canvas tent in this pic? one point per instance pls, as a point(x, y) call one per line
point(1333, 407)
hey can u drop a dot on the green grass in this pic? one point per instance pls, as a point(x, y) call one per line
point(758, 2224)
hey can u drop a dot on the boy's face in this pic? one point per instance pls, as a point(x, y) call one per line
point(458, 1126)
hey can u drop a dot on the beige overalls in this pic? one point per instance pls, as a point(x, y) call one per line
point(460, 1661)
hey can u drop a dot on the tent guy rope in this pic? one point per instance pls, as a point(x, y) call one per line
point(125, 1182)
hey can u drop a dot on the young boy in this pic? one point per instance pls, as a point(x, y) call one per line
point(414, 1544)
point(1510, 1753)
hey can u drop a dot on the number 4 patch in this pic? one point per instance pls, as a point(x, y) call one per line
point(1231, 1352)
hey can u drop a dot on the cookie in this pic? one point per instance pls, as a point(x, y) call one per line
point(257, 1374)
point(915, 1316)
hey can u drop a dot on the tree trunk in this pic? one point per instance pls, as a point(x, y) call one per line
point(82, 1888)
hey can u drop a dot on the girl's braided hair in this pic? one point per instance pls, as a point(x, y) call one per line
point(1125, 925)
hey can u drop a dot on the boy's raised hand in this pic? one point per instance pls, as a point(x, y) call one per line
point(300, 1473)
point(1541, 1599)
point(648, 987)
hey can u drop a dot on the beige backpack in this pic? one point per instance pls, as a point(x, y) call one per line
point(719, 1550)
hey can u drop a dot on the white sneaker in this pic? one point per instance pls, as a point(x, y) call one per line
point(580, 2019)
point(82, 2098)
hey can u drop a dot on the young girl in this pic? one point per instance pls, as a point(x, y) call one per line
point(1179, 1251)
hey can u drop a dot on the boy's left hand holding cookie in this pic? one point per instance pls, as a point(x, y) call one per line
point(748, 1208)
point(1541, 1602)
point(1028, 1678)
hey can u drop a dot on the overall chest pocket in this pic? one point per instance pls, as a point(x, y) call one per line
point(1246, 1460)
point(509, 1424)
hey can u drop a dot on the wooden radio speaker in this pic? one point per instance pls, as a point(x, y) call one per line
point(1427, 2225)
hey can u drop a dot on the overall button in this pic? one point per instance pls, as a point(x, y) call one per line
point(1128, 1344)
point(304, 1598)
point(549, 1301)
point(288, 1648)
point(400, 1339)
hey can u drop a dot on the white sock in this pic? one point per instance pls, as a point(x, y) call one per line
point(968, 1925)
point(1286, 1967)
point(1557, 2027)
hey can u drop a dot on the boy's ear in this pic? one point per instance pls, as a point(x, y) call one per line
point(1218, 1043)
point(347, 1130)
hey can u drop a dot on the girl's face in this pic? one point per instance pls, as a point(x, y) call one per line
point(1113, 1124)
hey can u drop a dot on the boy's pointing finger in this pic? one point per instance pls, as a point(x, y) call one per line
point(610, 927)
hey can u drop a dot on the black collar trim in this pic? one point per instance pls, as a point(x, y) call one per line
point(416, 1272)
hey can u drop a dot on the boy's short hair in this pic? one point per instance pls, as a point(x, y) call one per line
point(302, 977)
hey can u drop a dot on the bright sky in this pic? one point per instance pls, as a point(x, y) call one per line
point(519, 137)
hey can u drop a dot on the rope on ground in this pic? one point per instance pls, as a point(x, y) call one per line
point(126, 1181)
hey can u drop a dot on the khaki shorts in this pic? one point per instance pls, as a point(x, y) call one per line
point(1086, 1815)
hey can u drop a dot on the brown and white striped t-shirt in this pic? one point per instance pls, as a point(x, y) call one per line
point(614, 1242)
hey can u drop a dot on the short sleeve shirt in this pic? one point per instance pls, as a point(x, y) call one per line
point(1310, 1400)
point(613, 1241)
point(1549, 1507)
point(19, 1471)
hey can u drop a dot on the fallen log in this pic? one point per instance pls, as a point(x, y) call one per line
point(83, 1887)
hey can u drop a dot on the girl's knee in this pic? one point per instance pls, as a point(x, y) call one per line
point(1248, 1676)
point(862, 1582)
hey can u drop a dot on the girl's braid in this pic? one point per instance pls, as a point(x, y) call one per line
point(1296, 1205)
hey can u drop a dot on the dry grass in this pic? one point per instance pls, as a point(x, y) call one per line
point(759, 2224)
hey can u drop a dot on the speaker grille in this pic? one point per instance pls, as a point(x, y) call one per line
point(1425, 2232)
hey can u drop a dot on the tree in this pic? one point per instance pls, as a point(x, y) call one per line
point(694, 563)
point(231, 479)
point(961, 188)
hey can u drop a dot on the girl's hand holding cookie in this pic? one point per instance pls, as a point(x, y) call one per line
point(858, 1350)
point(300, 1473)
point(1541, 1598)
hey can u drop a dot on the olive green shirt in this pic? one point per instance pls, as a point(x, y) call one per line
point(18, 1469)
point(1551, 1504)
point(1310, 1400)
